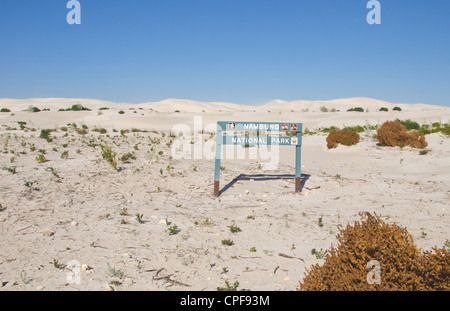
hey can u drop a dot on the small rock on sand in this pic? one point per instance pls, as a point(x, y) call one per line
point(48, 232)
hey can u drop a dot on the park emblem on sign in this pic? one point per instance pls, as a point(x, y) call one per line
point(258, 133)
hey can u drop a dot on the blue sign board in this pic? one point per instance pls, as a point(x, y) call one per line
point(259, 133)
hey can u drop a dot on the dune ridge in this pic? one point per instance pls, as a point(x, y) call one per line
point(187, 105)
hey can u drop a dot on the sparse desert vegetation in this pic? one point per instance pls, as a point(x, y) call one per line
point(117, 201)
point(77, 107)
point(394, 133)
point(357, 109)
point(344, 137)
point(402, 265)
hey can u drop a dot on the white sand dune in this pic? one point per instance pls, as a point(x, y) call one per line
point(185, 105)
point(341, 104)
point(79, 210)
point(172, 111)
point(56, 103)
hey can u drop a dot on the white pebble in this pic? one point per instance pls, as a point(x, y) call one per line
point(85, 267)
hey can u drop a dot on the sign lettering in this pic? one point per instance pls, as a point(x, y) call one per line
point(258, 133)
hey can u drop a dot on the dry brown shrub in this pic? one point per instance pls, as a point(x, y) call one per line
point(393, 133)
point(403, 266)
point(344, 137)
point(435, 269)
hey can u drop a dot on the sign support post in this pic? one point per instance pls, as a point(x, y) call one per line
point(219, 139)
point(298, 161)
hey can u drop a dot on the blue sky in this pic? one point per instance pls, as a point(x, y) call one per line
point(241, 51)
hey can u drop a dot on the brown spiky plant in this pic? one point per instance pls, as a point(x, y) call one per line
point(393, 133)
point(402, 266)
point(344, 137)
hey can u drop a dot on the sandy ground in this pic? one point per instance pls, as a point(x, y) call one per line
point(71, 224)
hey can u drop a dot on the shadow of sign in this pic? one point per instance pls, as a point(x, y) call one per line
point(263, 177)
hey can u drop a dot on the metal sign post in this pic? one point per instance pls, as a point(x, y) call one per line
point(251, 140)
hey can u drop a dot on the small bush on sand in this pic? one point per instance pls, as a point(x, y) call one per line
point(33, 109)
point(344, 137)
point(41, 159)
point(109, 155)
point(65, 155)
point(100, 130)
point(45, 134)
point(409, 124)
point(228, 287)
point(393, 133)
point(357, 109)
point(76, 107)
point(402, 265)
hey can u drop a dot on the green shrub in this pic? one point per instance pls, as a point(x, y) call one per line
point(397, 109)
point(78, 107)
point(173, 230)
point(5, 110)
point(227, 242)
point(358, 109)
point(41, 158)
point(384, 109)
point(100, 130)
point(436, 125)
point(229, 288)
point(65, 155)
point(308, 132)
point(109, 155)
point(45, 134)
point(356, 128)
point(234, 229)
point(329, 129)
point(139, 218)
point(445, 131)
point(409, 124)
